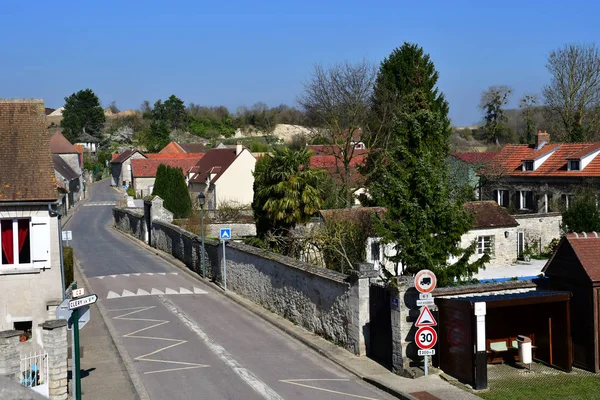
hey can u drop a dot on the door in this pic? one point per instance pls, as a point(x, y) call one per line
point(520, 243)
point(380, 327)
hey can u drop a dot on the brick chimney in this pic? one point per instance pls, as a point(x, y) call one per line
point(541, 139)
point(238, 148)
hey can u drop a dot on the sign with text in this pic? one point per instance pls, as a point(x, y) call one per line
point(78, 292)
point(82, 301)
point(67, 235)
point(426, 337)
point(429, 352)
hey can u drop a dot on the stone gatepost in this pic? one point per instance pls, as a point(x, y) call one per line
point(358, 329)
point(10, 359)
point(405, 360)
point(54, 338)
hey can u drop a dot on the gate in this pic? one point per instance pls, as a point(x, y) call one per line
point(379, 347)
point(34, 373)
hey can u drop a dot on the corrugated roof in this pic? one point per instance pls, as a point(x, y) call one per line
point(63, 168)
point(488, 214)
point(26, 169)
point(60, 145)
point(146, 168)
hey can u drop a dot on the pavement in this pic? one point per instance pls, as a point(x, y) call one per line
point(161, 332)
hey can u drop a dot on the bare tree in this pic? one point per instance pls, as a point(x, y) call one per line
point(113, 107)
point(493, 102)
point(528, 104)
point(337, 100)
point(574, 90)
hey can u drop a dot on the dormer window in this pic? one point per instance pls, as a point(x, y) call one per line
point(528, 165)
point(574, 165)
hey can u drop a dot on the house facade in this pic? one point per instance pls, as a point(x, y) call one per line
point(120, 167)
point(68, 165)
point(224, 176)
point(463, 168)
point(144, 170)
point(30, 271)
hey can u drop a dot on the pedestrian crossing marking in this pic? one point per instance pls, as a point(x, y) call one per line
point(154, 292)
point(100, 203)
point(135, 274)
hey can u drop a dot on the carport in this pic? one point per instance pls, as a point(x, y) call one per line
point(477, 330)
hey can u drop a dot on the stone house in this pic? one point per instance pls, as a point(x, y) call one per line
point(68, 163)
point(143, 170)
point(225, 176)
point(30, 270)
point(463, 168)
point(120, 167)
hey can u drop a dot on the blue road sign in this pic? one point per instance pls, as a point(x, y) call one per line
point(225, 234)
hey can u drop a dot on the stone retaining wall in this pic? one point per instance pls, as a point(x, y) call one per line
point(130, 221)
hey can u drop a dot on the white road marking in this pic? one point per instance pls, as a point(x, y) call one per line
point(137, 274)
point(134, 274)
point(142, 292)
point(113, 295)
point(158, 322)
point(297, 383)
point(184, 291)
point(125, 275)
point(156, 291)
point(153, 292)
point(127, 293)
point(100, 203)
point(259, 386)
point(171, 291)
point(98, 277)
point(162, 273)
point(199, 291)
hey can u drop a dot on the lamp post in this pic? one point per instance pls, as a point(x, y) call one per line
point(201, 200)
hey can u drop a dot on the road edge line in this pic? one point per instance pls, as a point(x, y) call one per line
point(134, 377)
point(267, 316)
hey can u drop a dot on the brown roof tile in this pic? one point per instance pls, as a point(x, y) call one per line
point(213, 158)
point(124, 156)
point(60, 145)
point(146, 168)
point(26, 169)
point(488, 214)
point(587, 249)
point(172, 148)
point(193, 147)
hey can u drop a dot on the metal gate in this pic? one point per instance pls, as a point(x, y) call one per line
point(34, 373)
point(379, 347)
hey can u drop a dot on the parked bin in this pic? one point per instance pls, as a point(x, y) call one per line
point(524, 349)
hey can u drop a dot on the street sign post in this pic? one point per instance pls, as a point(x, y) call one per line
point(426, 338)
point(224, 234)
point(82, 301)
point(66, 236)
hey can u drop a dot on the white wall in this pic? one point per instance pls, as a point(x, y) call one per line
point(24, 296)
point(540, 229)
point(236, 183)
point(142, 186)
point(125, 174)
point(505, 248)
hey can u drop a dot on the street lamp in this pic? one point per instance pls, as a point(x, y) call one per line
point(201, 201)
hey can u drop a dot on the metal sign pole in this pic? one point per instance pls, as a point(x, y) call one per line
point(224, 267)
point(76, 366)
point(426, 364)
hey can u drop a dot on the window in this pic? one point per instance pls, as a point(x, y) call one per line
point(485, 244)
point(16, 247)
point(375, 251)
point(527, 165)
point(25, 243)
point(566, 200)
point(574, 165)
point(526, 201)
point(502, 197)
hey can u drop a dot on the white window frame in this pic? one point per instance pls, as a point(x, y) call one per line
point(39, 244)
point(571, 165)
point(15, 233)
point(481, 244)
point(499, 197)
point(528, 163)
point(523, 199)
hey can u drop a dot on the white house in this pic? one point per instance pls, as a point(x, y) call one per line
point(30, 277)
point(120, 167)
point(224, 176)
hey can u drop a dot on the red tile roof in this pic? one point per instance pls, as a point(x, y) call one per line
point(549, 148)
point(488, 214)
point(26, 168)
point(590, 149)
point(212, 159)
point(509, 161)
point(79, 148)
point(476, 157)
point(60, 145)
point(146, 168)
point(124, 156)
point(329, 161)
point(172, 148)
point(173, 155)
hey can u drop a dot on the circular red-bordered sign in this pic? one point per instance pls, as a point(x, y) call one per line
point(425, 281)
point(426, 337)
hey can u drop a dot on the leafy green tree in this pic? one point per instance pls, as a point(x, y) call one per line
point(286, 191)
point(161, 182)
point(582, 215)
point(82, 113)
point(409, 177)
point(156, 136)
point(171, 111)
point(492, 104)
point(180, 202)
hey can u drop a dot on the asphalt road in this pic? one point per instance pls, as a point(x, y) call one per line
point(187, 340)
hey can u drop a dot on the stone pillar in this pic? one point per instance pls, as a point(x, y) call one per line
point(358, 329)
point(54, 337)
point(10, 359)
point(405, 360)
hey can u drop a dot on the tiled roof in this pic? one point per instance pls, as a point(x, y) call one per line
point(79, 148)
point(328, 161)
point(146, 168)
point(26, 169)
point(590, 149)
point(193, 147)
point(173, 155)
point(488, 214)
point(60, 145)
point(125, 155)
point(63, 168)
point(222, 158)
point(587, 249)
point(509, 161)
point(476, 157)
point(549, 148)
point(172, 148)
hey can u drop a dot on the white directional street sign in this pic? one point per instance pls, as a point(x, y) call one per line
point(225, 234)
point(429, 352)
point(63, 312)
point(425, 296)
point(426, 302)
point(82, 301)
point(78, 292)
point(67, 235)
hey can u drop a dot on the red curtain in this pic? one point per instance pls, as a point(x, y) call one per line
point(23, 231)
point(7, 240)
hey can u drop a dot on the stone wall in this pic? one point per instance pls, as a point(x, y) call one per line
point(56, 346)
point(130, 221)
point(322, 301)
point(237, 230)
point(504, 248)
point(539, 229)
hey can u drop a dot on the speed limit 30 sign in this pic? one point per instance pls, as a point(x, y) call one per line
point(426, 337)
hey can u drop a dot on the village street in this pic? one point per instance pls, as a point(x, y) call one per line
point(187, 340)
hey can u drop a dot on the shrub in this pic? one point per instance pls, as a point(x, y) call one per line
point(68, 264)
point(130, 191)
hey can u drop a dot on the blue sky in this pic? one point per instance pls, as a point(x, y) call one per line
point(237, 53)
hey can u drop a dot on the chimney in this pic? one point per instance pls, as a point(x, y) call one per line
point(541, 139)
point(238, 148)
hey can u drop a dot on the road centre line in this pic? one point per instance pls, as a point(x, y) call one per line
point(247, 376)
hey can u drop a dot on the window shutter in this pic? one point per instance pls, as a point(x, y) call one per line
point(40, 242)
point(505, 199)
point(496, 199)
point(518, 199)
